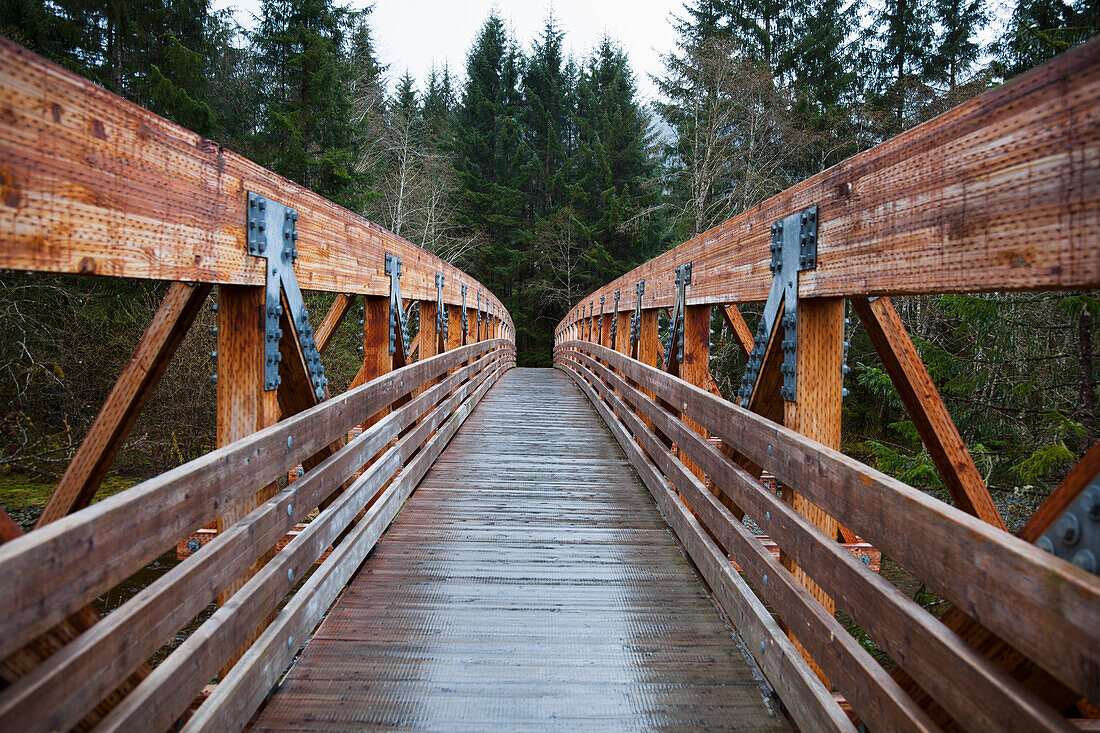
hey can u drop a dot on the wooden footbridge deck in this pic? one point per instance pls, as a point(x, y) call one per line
point(533, 575)
point(528, 584)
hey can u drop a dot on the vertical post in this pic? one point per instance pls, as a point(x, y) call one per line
point(648, 338)
point(376, 345)
point(622, 332)
point(816, 410)
point(695, 368)
point(243, 405)
point(454, 327)
point(429, 337)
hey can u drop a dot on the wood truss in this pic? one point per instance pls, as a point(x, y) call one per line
point(1000, 194)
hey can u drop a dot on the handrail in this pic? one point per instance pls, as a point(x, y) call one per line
point(142, 197)
point(992, 575)
point(53, 571)
point(998, 194)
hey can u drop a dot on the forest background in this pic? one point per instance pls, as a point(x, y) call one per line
point(545, 176)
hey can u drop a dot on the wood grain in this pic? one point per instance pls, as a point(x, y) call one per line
point(999, 193)
point(93, 184)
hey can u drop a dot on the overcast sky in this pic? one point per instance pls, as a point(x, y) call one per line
point(414, 34)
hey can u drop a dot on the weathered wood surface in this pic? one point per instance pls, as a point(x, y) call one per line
point(1045, 607)
point(999, 193)
point(979, 694)
point(93, 184)
point(53, 572)
point(528, 583)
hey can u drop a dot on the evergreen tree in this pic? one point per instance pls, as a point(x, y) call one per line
point(901, 46)
point(439, 104)
point(1040, 29)
point(762, 28)
point(308, 131)
point(488, 158)
point(957, 47)
point(547, 98)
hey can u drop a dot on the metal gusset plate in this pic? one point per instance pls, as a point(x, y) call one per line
point(465, 320)
point(440, 306)
point(615, 322)
point(1076, 535)
point(397, 308)
point(636, 318)
point(479, 312)
point(273, 235)
point(599, 336)
point(675, 338)
point(794, 248)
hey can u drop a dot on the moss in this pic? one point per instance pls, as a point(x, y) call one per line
point(24, 496)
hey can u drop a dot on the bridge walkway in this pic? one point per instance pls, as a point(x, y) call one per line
point(529, 583)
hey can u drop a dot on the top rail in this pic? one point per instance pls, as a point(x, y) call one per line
point(92, 184)
point(999, 193)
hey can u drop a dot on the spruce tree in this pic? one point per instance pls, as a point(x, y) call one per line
point(901, 47)
point(547, 98)
point(1038, 30)
point(308, 132)
point(957, 47)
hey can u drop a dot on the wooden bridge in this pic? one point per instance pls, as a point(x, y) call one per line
point(475, 546)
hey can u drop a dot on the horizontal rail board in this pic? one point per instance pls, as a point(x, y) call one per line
point(53, 571)
point(56, 693)
point(999, 193)
point(92, 184)
point(1044, 606)
point(977, 693)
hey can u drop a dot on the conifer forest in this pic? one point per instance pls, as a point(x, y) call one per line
point(545, 175)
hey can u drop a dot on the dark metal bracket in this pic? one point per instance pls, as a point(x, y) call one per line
point(479, 312)
point(273, 235)
point(440, 306)
point(794, 248)
point(599, 335)
point(636, 317)
point(1076, 535)
point(615, 322)
point(676, 327)
point(465, 319)
point(397, 308)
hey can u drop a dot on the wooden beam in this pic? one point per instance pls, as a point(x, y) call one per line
point(740, 329)
point(999, 193)
point(94, 184)
point(132, 391)
point(926, 408)
point(336, 312)
point(376, 346)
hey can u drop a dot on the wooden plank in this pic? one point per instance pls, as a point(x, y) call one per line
point(94, 184)
point(132, 390)
point(981, 695)
point(852, 666)
point(976, 635)
point(1040, 604)
point(169, 689)
point(521, 649)
point(930, 416)
point(999, 193)
point(52, 573)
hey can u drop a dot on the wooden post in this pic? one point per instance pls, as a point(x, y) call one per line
point(243, 405)
point(695, 367)
point(376, 345)
point(454, 327)
point(622, 332)
point(130, 394)
point(815, 412)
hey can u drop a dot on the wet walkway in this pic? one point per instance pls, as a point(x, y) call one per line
point(529, 583)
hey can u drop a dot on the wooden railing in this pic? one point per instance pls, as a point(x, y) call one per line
point(54, 572)
point(94, 185)
point(998, 194)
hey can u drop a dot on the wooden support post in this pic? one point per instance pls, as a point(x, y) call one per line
point(816, 412)
point(695, 368)
point(649, 340)
point(244, 406)
point(376, 345)
point(622, 332)
point(930, 416)
point(454, 327)
point(134, 388)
